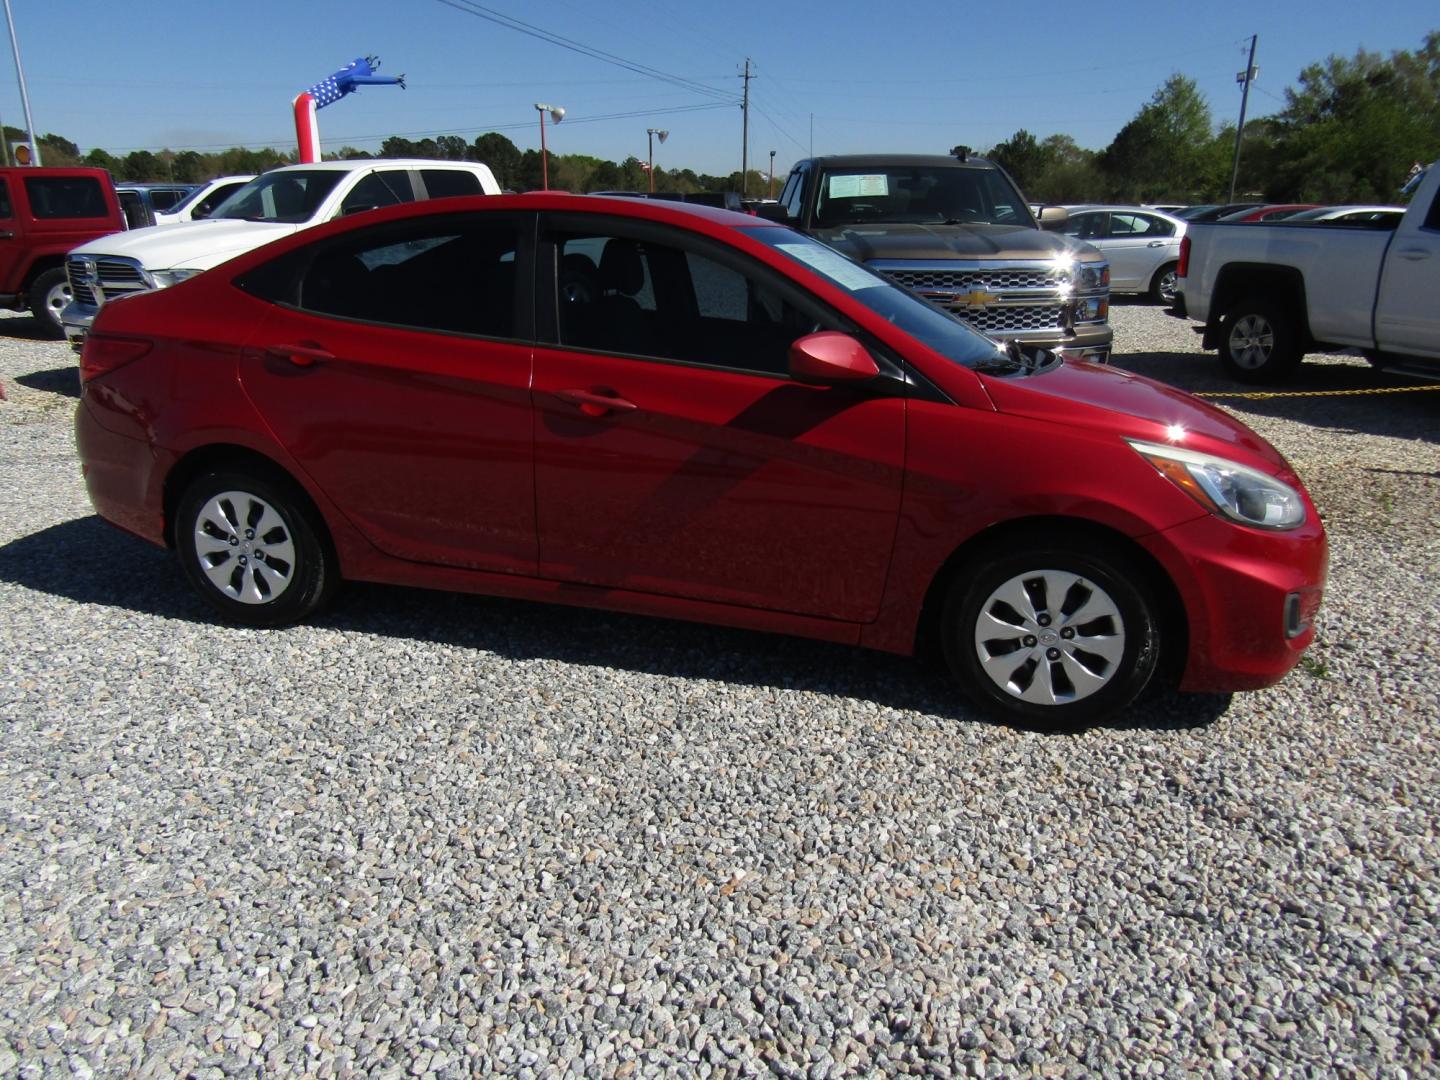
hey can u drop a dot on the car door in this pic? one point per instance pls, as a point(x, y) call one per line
point(395, 368)
point(1407, 318)
point(673, 454)
point(1136, 248)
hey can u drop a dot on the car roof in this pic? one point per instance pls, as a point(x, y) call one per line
point(901, 160)
point(353, 164)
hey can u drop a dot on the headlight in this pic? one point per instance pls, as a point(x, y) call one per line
point(163, 279)
point(1237, 491)
point(1092, 276)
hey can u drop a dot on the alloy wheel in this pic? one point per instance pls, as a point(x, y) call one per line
point(244, 547)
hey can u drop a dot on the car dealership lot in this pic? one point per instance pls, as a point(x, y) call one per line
point(449, 834)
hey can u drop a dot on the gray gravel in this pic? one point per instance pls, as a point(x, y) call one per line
point(442, 835)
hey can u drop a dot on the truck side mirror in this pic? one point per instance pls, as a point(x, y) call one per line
point(1053, 217)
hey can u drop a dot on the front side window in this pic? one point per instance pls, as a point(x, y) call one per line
point(794, 194)
point(377, 190)
point(1090, 226)
point(65, 197)
point(676, 301)
point(5, 210)
point(282, 197)
point(165, 198)
point(451, 275)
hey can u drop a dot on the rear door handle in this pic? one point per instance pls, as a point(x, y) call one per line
point(1414, 254)
point(300, 355)
point(6, 234)
point(1156, 243)
point(596, 402)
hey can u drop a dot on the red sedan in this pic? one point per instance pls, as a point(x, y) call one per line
point(681, 411)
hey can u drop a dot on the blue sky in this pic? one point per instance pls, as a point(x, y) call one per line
point(864, 75)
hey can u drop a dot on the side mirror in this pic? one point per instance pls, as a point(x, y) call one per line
point(1053, 217)
point(829, 358)
point(772, 212)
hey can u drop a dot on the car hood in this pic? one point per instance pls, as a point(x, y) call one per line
point(931, 242)
point(1121, 403)
point(200, 244)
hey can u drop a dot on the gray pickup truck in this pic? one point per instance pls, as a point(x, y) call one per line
point(958, 232)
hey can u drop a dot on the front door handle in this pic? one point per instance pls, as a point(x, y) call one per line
point(596, 402)
point(6, 234)
point(300, 355)
point(1414, 254)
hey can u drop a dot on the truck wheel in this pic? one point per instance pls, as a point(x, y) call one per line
point(1164, 285)
point(1259, 342)
point(49, 293)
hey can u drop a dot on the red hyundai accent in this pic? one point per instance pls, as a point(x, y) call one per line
point(673, 410)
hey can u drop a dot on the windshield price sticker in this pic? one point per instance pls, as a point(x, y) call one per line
point(855, 187)
point(833, 265)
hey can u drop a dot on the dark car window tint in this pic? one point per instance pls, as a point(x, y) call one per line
point(445, 183)
point(642, 298)
point(65, 197)
point(5, 210)
point(377, 190)
point(165, 198)
point(450, 275)
point(1127, 225)
point(1159, 227)
point(793, 195)
point(1432, 219)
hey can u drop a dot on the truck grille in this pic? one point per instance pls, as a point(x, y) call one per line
point(965, 280)
point(107, 276)
point(1020, 317)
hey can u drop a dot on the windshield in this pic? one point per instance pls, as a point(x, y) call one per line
point(937, 329)
point(919, 194)
point(287, 197)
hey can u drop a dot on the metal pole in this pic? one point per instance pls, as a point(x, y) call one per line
point(24, 94)
point(650, 157)
point(744, 136)
point(544, 162)
point(1248, 75)
point(772, 174)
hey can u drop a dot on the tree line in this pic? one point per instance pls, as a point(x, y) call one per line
point(1349, 132)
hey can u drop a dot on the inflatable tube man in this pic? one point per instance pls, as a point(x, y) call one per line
point(359, 72)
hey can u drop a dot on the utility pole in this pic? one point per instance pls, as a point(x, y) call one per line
point(1246, 77)
point(24, 94)
point(745, 134)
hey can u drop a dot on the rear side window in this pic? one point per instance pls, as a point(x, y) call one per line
point(65, 197)
point(445, 183)
point(165, 198)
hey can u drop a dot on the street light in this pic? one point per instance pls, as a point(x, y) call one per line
point(557, 113)
point(772, 174)
point(650, 134)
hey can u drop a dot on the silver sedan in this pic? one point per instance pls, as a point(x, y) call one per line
point(1142, 244)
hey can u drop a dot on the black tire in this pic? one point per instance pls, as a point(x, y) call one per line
point(49, 293)
point(268, 561)
point(1259, 342)
point(1165, 285)
point(1100, 607)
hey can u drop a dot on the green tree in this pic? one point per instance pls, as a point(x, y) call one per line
point(501, 155)
point(1167, 151)
point(189, 167)
point(1023, 157)
point(102, 159)
point(141, 165)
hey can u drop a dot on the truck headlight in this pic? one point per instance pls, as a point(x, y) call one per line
point(163, 279)
point(1236, 491)
point(1092, 276)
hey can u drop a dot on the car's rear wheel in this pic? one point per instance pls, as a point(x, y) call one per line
point(48, 296)
point(1259, 342)
point(1049, 636)
point(253, 548)
point(1165, 284)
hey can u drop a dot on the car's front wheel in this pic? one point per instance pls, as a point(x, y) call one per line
point(1049, 636)
point(253, 549)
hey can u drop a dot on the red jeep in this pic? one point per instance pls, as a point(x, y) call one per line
point(43, 214)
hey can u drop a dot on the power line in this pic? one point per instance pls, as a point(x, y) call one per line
point(469, 7)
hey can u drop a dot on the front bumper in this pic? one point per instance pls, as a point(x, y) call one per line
point(77, 318)
point(1242, 590)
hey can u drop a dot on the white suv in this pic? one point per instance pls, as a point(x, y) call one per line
point(275, 204)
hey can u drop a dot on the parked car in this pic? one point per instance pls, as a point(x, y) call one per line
point(141, 202)
point(44, 212)
point(1269, 212)
point(1372, 217)
point(1169, 208)
point(1142, 246)
point(276, 204)
point(735, 425)
point(203, 201)
point(1214, 211)
point(1268, 293)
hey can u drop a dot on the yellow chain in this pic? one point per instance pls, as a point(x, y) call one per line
point(1263, 394)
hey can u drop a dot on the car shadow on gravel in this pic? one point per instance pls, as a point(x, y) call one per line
point(26, 329)
point(64, 381)
point(76, 560)
point(1348, 382)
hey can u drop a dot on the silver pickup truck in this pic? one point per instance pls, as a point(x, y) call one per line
point(1269, 293)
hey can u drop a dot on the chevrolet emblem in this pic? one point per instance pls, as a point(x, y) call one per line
point(974, 300)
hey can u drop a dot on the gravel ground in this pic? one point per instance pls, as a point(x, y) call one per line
point(444, 835)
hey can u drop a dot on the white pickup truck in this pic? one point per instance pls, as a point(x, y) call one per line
point(275, 204)
point(1269, 293)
